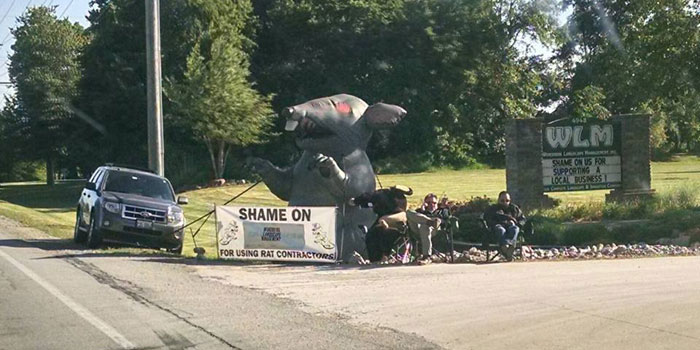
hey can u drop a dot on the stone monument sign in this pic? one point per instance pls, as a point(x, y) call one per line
point(578, 155)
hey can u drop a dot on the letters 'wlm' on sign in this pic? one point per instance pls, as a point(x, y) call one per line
point(581, 155)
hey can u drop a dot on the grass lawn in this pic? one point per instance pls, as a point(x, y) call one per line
point(52, 209)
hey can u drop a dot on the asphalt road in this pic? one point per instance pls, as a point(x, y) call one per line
point(57, 296)
point(647, 303)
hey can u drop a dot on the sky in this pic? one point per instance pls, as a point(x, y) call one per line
point(10, 10)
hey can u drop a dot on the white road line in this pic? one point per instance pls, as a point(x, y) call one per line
point(77, 308)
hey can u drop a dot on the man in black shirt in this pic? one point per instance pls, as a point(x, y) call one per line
point(504, 219)
point(390, 206)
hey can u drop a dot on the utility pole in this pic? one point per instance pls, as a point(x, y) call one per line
point(156, 151)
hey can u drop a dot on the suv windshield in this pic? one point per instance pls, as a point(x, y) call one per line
point(140, 184)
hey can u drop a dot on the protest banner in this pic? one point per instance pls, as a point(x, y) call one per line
point(276, 233)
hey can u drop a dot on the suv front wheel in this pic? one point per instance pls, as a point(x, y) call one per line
point(79, 236)
point(177, 250)
point(94, 236)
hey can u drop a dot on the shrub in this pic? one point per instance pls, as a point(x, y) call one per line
point(695, 236)
point(405, 163)
point(475, 205)
point(469, 215)
point(574, 212)
point(185, 170)
point(685, 197)
point(585, 234)
point(547, 231)
point(23, 171)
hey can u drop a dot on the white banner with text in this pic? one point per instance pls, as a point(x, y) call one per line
point(276, 233)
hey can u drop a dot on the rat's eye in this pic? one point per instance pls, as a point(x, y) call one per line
point(343, 108)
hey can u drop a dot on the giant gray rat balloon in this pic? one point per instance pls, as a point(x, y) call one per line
point(333, 133)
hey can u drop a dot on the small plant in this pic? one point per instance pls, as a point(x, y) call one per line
point(405, 163)
point(547, 231)
point(586, 234)
point(469, 215)
point(685, 197)
point(574, 212)
point(472, 206)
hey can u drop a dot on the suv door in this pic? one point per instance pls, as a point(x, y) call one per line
point(88, 197)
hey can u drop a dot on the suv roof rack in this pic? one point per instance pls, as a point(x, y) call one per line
point(117, 165)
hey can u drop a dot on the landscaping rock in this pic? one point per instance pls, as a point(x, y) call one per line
point(619, 250)
point(528, 253)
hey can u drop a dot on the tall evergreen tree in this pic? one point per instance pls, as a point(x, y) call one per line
point(44, 69)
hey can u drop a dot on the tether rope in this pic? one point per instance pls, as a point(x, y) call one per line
point(208, 215)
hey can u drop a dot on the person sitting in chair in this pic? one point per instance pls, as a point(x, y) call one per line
point(504, 219)
point(425, 221)
point(390, 206)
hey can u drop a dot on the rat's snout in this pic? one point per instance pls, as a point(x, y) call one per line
point(293, 117)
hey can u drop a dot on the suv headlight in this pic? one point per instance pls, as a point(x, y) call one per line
point(112, 207)
point(175, 215)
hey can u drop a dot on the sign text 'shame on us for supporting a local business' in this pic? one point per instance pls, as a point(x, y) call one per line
point(277, 233)
point(581, 156)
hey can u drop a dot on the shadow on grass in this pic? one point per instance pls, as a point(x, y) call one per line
point(57, 210)
point(80, 251)
point(43, 244)
point(679, 172)
point(41, 196)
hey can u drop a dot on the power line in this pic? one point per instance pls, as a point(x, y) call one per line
point(4, 40)
point(66, 9)
point(8, 11)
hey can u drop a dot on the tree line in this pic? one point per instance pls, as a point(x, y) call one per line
point(461, 68)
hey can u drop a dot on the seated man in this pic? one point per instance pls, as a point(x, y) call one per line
point(390, 206)
point(425, 221)
point(504, 219)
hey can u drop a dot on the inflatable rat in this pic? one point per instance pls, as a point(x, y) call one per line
point(333, 133)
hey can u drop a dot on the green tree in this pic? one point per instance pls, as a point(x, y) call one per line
point(454, 65)
point(216, 101)
point(112, 87)
point(44, 69)
point(113, 84)
point(642, 54)
point(215, 98)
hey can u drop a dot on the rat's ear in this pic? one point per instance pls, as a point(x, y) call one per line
point(382, 115)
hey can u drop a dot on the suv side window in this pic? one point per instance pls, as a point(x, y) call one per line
point(100, 178)
point(94, 175)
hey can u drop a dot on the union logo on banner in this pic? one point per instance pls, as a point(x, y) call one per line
point(271, 234)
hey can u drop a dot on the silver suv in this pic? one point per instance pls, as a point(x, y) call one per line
point(129, 206)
